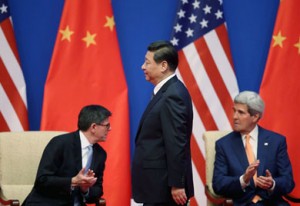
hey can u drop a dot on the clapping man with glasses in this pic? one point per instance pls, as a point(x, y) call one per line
point(72, 165)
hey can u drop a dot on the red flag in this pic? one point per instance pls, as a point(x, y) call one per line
point(280, 87)
point(205, 67)
point(13, 104)
point(86, 69)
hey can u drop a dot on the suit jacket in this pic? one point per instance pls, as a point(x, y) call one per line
point(162, 157)
point(62, 160)
point(231, 162)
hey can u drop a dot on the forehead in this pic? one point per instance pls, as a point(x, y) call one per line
point(241, 107)
point(149, 55)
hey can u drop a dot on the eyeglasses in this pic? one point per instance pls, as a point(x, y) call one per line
point(105, 125)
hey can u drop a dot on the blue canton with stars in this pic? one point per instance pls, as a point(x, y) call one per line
point(194, 19)
point(4, 11)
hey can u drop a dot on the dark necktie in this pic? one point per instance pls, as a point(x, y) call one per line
point(152, 95)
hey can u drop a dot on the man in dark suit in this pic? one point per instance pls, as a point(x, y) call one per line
point(161, 167)
point(66, 175)
point(252, 165)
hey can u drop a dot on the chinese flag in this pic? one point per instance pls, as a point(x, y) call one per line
point(86, 69)
point(280, 87)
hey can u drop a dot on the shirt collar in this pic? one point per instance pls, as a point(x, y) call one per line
point(253, 134)
point(160, 84)
point(84, 141)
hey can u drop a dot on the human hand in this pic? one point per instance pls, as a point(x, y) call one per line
point(265, 182)
point(89, 182)
point(250, 171)
point(84, 181)
point(90, 173)
point(179, 195)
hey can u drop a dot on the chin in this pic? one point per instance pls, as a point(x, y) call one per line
point(236, 129)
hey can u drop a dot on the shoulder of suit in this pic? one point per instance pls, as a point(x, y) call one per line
point(229, 137)
point(67, 137)
point(266, 132)
point(99, 148)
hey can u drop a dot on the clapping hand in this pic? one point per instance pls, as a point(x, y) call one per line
point(265, 182)
point(84, 181)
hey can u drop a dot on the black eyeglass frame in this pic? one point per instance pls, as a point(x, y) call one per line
point(104, 125)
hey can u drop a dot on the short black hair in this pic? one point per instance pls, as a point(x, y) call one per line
point(92, 114)
point(164, 51)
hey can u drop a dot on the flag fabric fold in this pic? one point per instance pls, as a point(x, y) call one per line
point(280, 86)
point(13, 100)
point(206, 68)
point(86, 68)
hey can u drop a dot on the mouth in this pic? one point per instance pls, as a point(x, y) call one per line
point(235, 124)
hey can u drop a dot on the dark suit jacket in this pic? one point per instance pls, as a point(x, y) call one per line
point(61, 160)
point(162, 157)
point(231, 162)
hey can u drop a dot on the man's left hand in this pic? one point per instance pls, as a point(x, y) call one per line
point(265, 182)
point(179, 195)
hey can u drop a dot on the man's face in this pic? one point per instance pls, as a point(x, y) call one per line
point(100, 131)
point(152, 70)
point(243, 122)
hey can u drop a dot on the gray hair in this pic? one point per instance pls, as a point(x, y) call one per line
point(253, 101)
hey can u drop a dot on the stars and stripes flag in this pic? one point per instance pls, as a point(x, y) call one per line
point(13, 102)
point(206, 68)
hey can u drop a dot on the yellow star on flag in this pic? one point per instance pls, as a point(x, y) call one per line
point(110, 22)
point(278, 39)
point(89, 39)
point(298, 46)
point(66, 34)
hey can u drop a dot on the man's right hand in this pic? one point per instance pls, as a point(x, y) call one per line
point(250, 171)
point(84, 181)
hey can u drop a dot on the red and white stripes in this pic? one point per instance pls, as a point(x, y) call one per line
point(206, 69)
point(13, 101)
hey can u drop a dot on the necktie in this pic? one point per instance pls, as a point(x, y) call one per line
point(251, 159)
point(249, 151)
point(89, 157)
point(86, 162)
point(152, 95)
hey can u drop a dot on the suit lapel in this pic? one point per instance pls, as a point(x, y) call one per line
point(154, 100)
point(239, 149)
point(262, 150)
point(93, 158)
point(77, 151)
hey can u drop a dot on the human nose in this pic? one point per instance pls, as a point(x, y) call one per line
point(235, 115)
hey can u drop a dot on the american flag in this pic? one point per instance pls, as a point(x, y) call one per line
point(13, 102)
point(206, 68)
